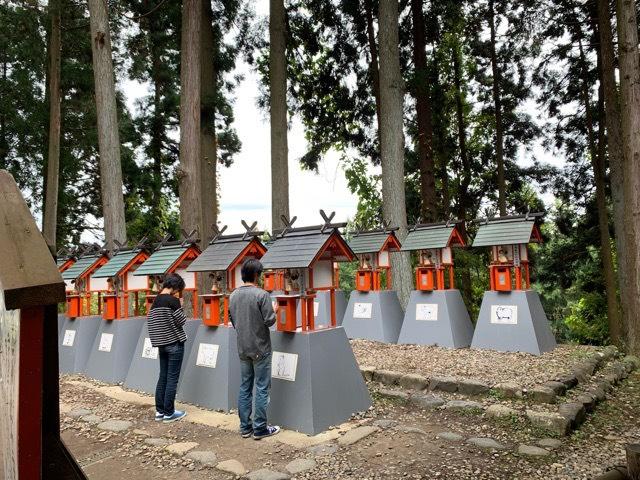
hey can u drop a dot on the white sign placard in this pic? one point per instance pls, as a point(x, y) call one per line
point(207, 355)
point(504, 314)
point(316, 308)
point(284, 366)
point(427, 312)
point(69, 337)
point(106, 340)
point(148, 350)
point(362, 310)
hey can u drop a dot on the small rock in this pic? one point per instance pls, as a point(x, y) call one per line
point(387, 377)
point(508, 390)
point(574, 412)
point(426, 400)
point(300, 465)
point(157, 442)
point(605, 385)
point(532, 451)
point(569, 380)
point(407, 429)
point(463, 405)
point(79, 412)
point(582, 374)
point(598, 394)
point(472, 387)
point(552, 443)
point(413, 381)
point(367, 373)
point(484, 442)
point(588, 400)
point(633, 360)
point(449, 436)
point(181, 448)
point(232, 466)
point(558, 388)
point(91, 419)
point(323, 449)
point(445, 384)
point(395, 394)
point(204, 457)
point(552, 422)
point(115, 425)
point(499, 411)
point(266, 474)
point(357, 434)
point(140, 432)
point(542, 394)
point(385, 423)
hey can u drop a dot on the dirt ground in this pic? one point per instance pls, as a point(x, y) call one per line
point(404, 442)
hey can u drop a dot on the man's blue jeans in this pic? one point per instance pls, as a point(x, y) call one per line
point(258, 373)
point(170, 364)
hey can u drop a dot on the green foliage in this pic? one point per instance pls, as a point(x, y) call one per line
point(587, 319)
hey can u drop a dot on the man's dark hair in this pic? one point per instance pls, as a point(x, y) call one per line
point(251, 270)
point(174, 282)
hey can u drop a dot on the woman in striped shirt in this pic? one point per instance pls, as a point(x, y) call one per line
point(165, 322)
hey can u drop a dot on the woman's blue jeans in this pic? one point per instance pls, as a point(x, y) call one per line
point(170, 363)
point(258, 373)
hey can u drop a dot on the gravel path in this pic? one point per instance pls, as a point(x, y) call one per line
point(487, 365)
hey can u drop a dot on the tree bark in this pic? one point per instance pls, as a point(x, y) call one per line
point(208, 87)
point(278, 112)
point(606, 61)
point(423, 115)
point(629, 64)
point(50, 210)
point(633, 461)
point(598, 164)
point(373, 65)
point(190, 154)
point(107, 116)
point(497, 101)
point(392, 141)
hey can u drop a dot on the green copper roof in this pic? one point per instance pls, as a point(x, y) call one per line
point(80, 267)
point(504, 232)
point(161, 261)
point(113, 266)
point(422, 238)
point(368, 242)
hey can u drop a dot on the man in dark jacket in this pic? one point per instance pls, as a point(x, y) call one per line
point(251, 313)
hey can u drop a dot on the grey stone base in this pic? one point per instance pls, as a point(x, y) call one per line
point(112, 366)
point(73, 358)
point(144, 371)
point(385, 319)
point(449, 324)
point(61, 319)
point(513, 322)
point(327, 387)
point(214, 387)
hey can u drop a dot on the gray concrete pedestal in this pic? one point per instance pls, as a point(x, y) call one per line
point(113, 349)
point(374, 316)
point(145, 366)
point(61, 319)
point(436, 318)
point(211, 376)
point(513, 322)
point(316, 382)
point(75, 342)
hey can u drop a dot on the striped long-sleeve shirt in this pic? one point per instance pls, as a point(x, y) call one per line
point(165, 321)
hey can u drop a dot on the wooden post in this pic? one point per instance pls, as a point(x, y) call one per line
point(633, 461)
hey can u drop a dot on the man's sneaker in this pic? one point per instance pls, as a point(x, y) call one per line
point(159, 416)
point(177, 415)
point(269, 431)
point(246, 434)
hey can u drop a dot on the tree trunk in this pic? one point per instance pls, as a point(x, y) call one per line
point(50, 210)
point(373, 65)
point(497, 101)
point(423, 115)
point(190, 154)
point(4, 146)
point(278, 112)
point(392, 141)
point(606, 61)
point(629, 64)
point(208, 88)
point(598, 164)
point(108, 136)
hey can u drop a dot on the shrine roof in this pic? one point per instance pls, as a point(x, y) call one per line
point(115, 265)
point(370, 242)
point(222, 253)
point(505, 231)
point(434, 235)
point(80, 267)
point(162, 260)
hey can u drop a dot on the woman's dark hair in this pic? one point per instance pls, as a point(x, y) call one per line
point(251, 270)
point(174, 282)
